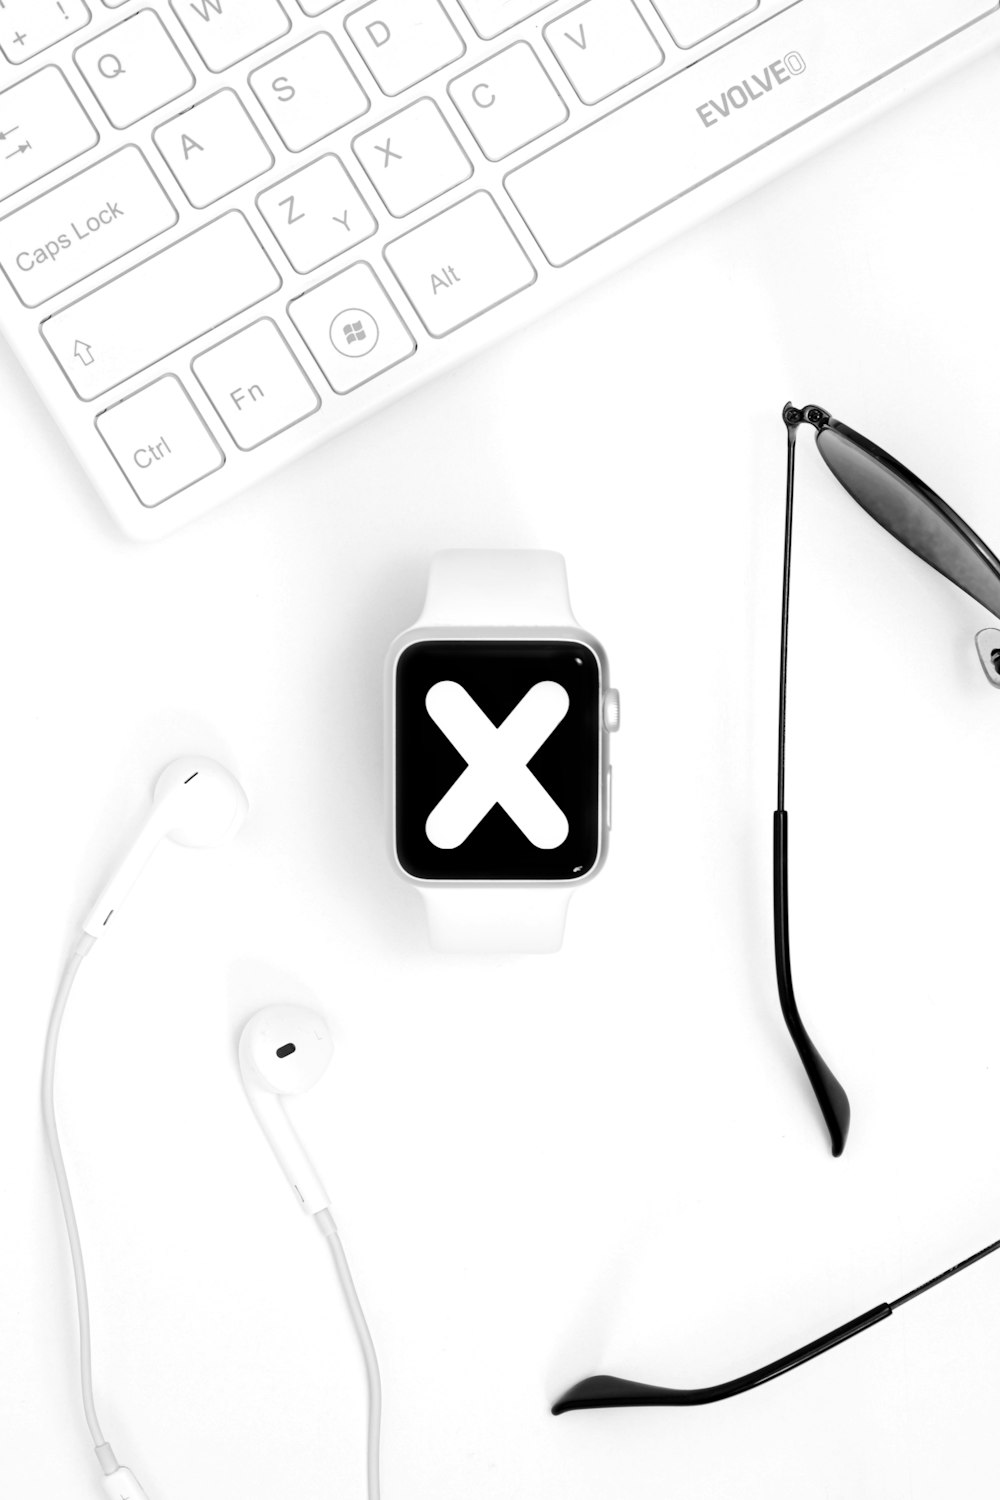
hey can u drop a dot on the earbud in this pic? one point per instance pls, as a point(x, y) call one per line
point(121, 1484)
point(197, 803)
point(285, 1050)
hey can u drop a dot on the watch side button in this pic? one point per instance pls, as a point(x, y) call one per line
point(607, 798)
point(612, 710)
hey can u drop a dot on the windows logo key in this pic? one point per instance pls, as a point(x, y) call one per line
point(354, 332)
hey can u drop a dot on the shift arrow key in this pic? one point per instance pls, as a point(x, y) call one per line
point(161, 304)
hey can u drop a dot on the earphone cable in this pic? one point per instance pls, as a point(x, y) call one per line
point(327, 1227)
point(70, 972)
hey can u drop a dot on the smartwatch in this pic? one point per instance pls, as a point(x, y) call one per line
point(499, 718)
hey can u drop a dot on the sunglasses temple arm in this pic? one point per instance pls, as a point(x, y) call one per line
point(791, 428)
point(609, 1390)
point(830, 1095)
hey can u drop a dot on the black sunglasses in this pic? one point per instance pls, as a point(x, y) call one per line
point(919, 519)
point(922, 521)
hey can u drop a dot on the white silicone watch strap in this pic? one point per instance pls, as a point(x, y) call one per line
point(496, 919)
point(497, 588)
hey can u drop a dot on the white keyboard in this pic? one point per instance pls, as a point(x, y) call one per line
point(231, 228)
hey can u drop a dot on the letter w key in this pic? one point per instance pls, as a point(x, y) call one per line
point(496, 771)
point(226, 31)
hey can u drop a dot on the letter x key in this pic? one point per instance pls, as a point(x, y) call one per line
point(388, 152)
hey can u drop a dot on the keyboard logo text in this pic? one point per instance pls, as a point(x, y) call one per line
point(750, 90)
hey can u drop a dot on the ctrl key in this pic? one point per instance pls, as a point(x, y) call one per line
point(159, 441)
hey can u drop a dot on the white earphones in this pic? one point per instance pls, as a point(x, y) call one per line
point(196, 802)
point(284, 1051)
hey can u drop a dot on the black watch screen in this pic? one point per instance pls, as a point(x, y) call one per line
point(498, 758)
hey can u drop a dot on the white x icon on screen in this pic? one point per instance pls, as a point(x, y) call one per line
point(496, 769)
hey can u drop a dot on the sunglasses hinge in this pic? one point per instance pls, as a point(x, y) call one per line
point(814, 415)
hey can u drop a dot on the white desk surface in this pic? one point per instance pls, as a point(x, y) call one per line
point(607, 1160)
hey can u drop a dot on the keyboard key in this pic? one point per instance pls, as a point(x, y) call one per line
point(134, 68)
point(195, 285)
point(42, 126)
point(594, 184)
point(27, 27)
point(460, 264)
point(691, 21)
point(317, 7)
point(83, 225)
point(603, 45)
point(309, 91)
point(213, 148)
point(352, 328)
point(508, 101)
point(404, 41)
point(256, 384)
point(317, 213)
point(159, 441)
point(490, 17)
point(412, 157)
point(227, 31)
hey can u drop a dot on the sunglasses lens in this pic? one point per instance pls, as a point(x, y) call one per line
point(912, 514)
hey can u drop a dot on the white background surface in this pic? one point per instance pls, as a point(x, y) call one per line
point(541, 1168)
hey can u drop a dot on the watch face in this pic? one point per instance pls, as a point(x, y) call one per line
point(498, 748)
